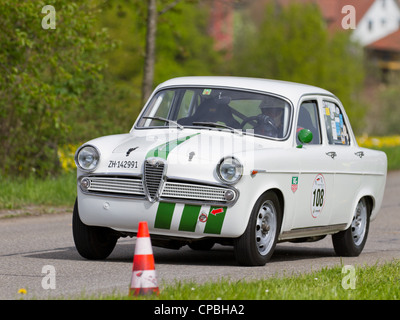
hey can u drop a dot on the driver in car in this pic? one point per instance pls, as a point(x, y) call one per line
point(270, 120)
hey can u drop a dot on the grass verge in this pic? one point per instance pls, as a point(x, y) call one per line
point(377, 282)
point(19, 192)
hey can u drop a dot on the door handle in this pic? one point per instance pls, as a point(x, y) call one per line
point(332, 154)
point(359, 154)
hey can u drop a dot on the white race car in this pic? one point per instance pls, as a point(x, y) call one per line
point(236, 161)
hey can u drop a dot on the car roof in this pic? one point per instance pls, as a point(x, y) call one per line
point(291, 90)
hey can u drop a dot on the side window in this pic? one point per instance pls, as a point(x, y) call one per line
point(336, 127)
point(160, 105)
point(308, 119)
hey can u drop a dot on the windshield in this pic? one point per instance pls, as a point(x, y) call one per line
point(264, 114)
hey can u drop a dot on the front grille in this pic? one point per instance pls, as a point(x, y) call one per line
point(130, 186)
point(153, 187)
point(193, 191)
point(173, 191)
point(153, 177)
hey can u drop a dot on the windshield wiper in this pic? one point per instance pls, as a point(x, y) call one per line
point(215, 124)
point(165, 120)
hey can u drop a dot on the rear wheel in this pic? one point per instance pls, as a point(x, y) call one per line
point(257, 244)
point(93, 243)
point(351, 242)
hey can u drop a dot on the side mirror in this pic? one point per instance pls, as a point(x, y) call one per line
point(304, 136)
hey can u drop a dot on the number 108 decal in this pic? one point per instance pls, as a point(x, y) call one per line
point(318, 195)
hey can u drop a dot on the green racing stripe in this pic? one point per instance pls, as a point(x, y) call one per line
point(190, 217)
point(164, 215)
point(163, 150)
point(215, 221)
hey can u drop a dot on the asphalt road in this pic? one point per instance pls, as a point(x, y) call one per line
point(28, 245)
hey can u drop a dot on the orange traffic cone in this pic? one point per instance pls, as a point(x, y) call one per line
point(144, 280)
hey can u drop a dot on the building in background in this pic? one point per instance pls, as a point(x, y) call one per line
point(377, 28)
point(221, 25)
point(376, 25)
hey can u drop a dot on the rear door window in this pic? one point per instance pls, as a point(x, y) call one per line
point(336, 127)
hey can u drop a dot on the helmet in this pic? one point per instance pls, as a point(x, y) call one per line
point(272, 106)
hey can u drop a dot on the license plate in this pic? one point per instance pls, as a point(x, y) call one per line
point(131, 164)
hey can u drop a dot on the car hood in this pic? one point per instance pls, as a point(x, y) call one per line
point(192, 154)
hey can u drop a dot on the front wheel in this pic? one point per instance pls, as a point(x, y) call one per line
point(257, 244)
point(350, 242)
point(93, 243)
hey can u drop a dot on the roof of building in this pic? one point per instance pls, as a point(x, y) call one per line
point(388, 43)
point(332, 9)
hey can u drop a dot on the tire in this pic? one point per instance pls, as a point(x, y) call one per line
point(257, 244)
point(93, 243)
point(351, 242)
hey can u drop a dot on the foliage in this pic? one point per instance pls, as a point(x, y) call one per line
point(48, 193)
point(49, 78)
point(185, 47)
point(292, 43)
point(387, 115)
point(183, 44)
point(66, 156)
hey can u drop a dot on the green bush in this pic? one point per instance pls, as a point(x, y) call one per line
point(46, 76)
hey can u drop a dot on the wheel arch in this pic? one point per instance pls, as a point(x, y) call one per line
point(370, 200)
point(281, 200)
point(370, 203)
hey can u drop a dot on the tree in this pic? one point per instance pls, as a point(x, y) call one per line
point(150, 55)
point(179, 41)
point(46, 75)
point(292, 43)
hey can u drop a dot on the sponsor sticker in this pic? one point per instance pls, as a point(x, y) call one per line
point(295, 184)
point(318, 195)
point(203, 217)
point(216, 211)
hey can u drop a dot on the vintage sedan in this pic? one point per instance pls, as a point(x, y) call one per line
point(236, 161)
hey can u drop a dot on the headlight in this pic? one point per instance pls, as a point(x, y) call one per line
point(229, 170)
point(87, 158)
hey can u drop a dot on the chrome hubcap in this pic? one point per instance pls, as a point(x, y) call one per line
point(359, 223)
point(266, 227)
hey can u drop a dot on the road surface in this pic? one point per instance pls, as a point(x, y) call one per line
point(37, 254)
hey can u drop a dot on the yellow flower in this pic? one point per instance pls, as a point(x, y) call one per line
point(66, 155)
point(388, 141)
point(22, 291)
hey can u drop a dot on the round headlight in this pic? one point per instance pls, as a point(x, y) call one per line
point(229, 170)
point(87, 158)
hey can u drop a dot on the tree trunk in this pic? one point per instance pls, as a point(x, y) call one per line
point(149, 60)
